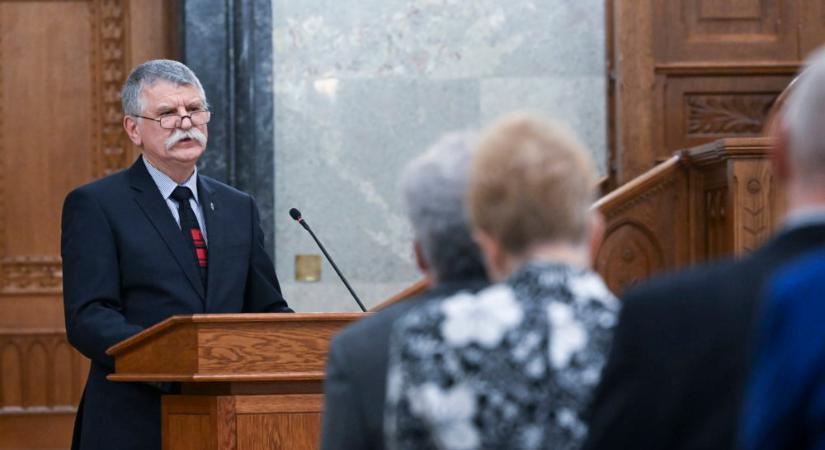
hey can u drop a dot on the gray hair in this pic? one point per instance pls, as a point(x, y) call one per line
point(148, 74)
point(434, 187)
point(804, 117)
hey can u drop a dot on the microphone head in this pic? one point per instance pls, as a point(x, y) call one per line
point(295, 214)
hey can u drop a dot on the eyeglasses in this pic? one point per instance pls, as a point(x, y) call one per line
point(172, 121)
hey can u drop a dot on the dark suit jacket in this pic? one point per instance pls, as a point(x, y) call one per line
point(784, 406)
point(675, 375)
point(126, 267)
point(355, 383)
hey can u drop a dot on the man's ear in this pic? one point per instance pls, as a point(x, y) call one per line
point(495, 259)
point(421, 261)
point(780, 157)
point(130, 125)
point(596, 235)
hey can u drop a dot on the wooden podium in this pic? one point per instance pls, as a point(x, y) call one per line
point(248, 381)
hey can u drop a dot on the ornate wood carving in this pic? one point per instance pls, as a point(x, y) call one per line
point(715, 221)
point(751, 186)
point(31, 274)
point(640, 239)
point(630, 253)
point(642, 197)
point(110, 67)
point(727, 114)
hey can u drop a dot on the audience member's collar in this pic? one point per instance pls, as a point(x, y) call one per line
point(812, 215)
point(166, 185)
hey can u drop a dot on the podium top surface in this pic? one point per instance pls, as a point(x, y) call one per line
point(230, 347)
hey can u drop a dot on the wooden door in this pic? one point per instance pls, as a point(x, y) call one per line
point(62, 64)
point(687, 72)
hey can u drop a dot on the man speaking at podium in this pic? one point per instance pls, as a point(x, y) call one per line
point(152, 241)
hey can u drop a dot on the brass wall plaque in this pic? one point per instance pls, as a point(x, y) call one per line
point(308, 268)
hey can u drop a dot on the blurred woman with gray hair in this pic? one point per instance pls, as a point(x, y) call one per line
point(512, 366)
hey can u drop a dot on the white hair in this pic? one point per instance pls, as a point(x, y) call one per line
point(804, 118)
point(150, 72)
point(434, 186)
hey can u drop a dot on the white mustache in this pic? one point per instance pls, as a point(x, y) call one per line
point(179, 135)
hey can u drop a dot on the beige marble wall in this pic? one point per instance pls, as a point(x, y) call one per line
point(362, 86)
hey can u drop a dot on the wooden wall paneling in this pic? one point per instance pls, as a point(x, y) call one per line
point(35, 429)
point(62, 64)
point(634, 80)
point(701, 109)
point(811, 25)
point(40, 138)
point(726, 30)
point(729, 56)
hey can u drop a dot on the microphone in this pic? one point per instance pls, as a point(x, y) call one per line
point(296, 215)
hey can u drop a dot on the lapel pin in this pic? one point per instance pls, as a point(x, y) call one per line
point(212, 206)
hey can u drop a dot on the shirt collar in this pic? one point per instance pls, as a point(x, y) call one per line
point(166, 185)
point(804, 217)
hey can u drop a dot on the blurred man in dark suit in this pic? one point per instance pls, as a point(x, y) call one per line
point(152, 241)
point(683, 344)
point(434, 187)
point(784, 405)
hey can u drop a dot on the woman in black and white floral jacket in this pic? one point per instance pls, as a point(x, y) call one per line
point(513, 366)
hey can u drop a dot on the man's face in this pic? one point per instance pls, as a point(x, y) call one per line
point(159, 144)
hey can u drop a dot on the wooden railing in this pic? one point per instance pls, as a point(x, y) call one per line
point(704, 202)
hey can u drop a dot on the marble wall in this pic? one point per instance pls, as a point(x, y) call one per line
point(363, 86)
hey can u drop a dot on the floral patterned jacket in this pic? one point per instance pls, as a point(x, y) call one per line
point(511, 367)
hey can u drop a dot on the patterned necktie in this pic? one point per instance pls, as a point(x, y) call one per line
point(190, 229)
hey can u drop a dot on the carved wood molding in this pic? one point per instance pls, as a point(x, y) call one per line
point(727, 114)
point(31, 275)
point(109, 68)
point(41, 371)
point(631, 252)
point(642, 197)
point(716, 213)
point(752, 184)
point(712, 68)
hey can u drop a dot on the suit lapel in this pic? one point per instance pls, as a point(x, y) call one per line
point(215, 232)
point(149, 199)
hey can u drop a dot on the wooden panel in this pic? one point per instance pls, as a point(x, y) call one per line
point(701, 109)
point(182, 360)
point(295, 348)
point(725, 52)
point(811, 25)
point(730, 9)
point(17, 312)
point(752, 185)
point(188, 432)
point(704, 202)
point(640, 240)
point(36, 124)
point(62, 64)
point(39, 371)
point(726, 30)
point(635, 122)
point(35, 430)
point(299, 431)
point(241, 422)
point(716, 207)
point(231, 347)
